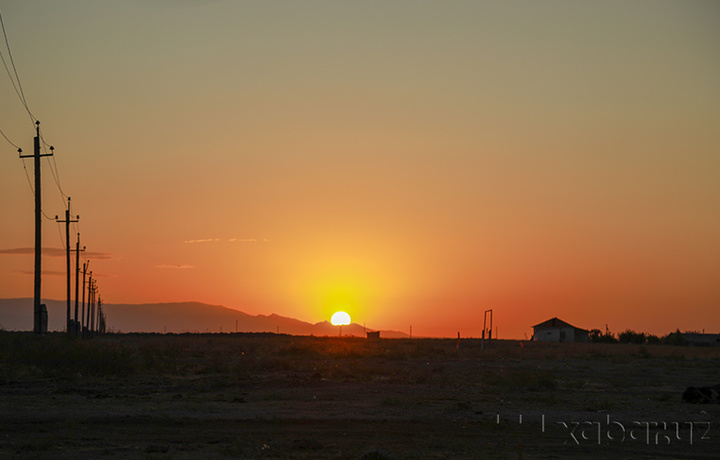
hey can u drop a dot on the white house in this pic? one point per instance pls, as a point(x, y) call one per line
point(556, 330)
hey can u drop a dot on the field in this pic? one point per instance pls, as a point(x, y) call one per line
point(275, 396)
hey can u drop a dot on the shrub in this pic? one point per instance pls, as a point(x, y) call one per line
point(629, 336)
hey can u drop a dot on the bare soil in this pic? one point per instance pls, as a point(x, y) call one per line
point(275, 396)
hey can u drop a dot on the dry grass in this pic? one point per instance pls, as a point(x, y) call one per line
point(277, 396)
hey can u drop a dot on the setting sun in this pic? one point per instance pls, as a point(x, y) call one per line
point(340, 319)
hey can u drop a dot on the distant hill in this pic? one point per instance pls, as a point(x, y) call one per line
point(176, 317)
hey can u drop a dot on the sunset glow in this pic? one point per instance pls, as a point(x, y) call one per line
point(411, 163)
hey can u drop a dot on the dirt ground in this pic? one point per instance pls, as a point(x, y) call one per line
point(275, 396)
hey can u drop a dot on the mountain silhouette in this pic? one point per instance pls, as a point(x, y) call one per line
point(176, 317)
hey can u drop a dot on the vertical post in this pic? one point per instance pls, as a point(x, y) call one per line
point(77, 280)
point(94, 307)
point(38, 232)
point(99, 314)
point(38, 326)
point(86, 319)
point(91, 302)
point(67, 261)
point(76, 323)
point(486, 328)
point(82, 317)
point(67, 222)
point(490, 329)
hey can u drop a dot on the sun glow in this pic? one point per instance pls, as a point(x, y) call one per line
point(340, 319)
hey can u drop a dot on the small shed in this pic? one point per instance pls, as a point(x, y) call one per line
point(557, 330)
point(374, 335)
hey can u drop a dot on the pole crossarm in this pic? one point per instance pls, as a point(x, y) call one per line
point(76, 324)
point(38, 155)
point(39, 311)
point(67, 223)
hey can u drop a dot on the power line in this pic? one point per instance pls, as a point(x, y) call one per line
point(27, 174)
point(18, 89)
point(42, 139)
point(6, 138)
point(33, 190)
point(13, 81)
point(62, 239)
point(56, 174)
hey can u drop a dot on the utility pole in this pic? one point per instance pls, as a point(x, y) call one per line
point(76, 324)
point(86, 321)
point(91, 313)
point(102, 325)
point(38, 326)
point(67, 222)
point(82, 317)
point(100, 314)
point(82, 320)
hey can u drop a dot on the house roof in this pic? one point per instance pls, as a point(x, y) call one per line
point(553, 323)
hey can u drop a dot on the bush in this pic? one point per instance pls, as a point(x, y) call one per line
point(629, 336)
point(596, 336)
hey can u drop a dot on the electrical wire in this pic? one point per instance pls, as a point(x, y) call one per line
point(46, 216)
point(12, 80)
point(42, 139)
point(17, 86)
point(19, 89)
point(9, 141)
point(56, 175)
point(32, 189)
point(62, 237)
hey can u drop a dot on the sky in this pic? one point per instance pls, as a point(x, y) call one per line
point(413, 163)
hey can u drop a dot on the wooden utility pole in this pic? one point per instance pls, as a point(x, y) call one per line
point(86, 321)
point(91, 321)
point(101, 327)
point(99, 314)
point(39, 326)
point(76, 323)
point(67, 222)
point(82, 316)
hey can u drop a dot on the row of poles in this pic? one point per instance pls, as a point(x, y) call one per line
point(93, 320)
point(90, 320)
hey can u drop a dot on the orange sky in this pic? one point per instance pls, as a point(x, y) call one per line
point(412, 163)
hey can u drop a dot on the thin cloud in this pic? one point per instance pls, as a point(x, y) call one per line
point(229, 240)
point(177, 267)
point(44, 272)
point(248, 240)
point(54, 252)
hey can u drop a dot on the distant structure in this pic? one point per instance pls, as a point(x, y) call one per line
point(374, 335)
point(557, 330)
point(696, 339)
